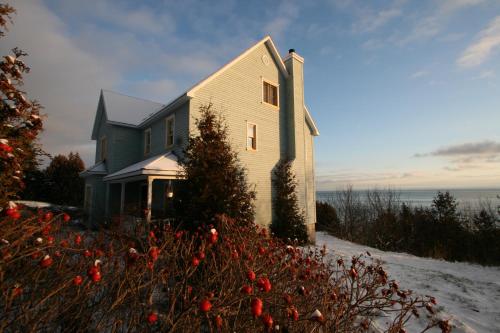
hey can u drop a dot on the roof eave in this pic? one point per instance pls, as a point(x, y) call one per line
point(310, 120)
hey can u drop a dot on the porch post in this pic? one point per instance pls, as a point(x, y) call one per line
point(122, 198)
point(150, 198)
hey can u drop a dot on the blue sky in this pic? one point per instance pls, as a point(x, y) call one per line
point(405, 93)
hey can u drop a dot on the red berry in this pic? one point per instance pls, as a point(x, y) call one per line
point(77, 280)
point(201, 255)
point(195, 261)
point(218, 321)
point(96, 277)
point(212, 237)
point(264, 284)
point(295, 314)
point(12, 212)
point(87, 253)
point(154, 253)
point(152, 317)
point(48, 216)
point(262, 251)
point(353, 273)
point(256, 307)
point(66, 217)
point(46, 261)
point(267, 320)
point(251, 275)
point(205, 305)
point(246, 289)
point(16, 215)
point(78, 239)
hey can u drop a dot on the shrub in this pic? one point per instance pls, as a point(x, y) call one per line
point(215, 181)
point(20, 121)
point(326, 218)
point(235, 278)
point(288, 221)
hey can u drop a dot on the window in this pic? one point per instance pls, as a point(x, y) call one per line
point(251, 136)
point(104, 148)
point(147, 141)
point(169, 131)
point(87, 202)
point(269, 93)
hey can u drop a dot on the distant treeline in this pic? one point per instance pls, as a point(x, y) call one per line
point(383, 221)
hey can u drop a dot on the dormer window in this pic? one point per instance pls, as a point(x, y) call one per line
point(104, 148)
point(169, 131)
point(147, 141)
point(269, 93)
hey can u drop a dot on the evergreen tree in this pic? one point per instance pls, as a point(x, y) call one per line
point(289, 220)
point(63, 177)
point(20, 121)
point(215, 180)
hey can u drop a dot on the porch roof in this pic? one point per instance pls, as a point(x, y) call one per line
point(96, 169)
point(163, 165)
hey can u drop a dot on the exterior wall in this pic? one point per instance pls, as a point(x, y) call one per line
point(237, 94)
point(104, 130)
point(123, 148)
point(98, 198)
point(158, 133)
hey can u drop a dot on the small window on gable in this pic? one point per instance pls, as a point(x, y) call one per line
point(104, 148)
point(147, 141)
point(251, 136)
point(270, 93)
point(169, 131)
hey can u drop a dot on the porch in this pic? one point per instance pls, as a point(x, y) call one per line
point(144, 189)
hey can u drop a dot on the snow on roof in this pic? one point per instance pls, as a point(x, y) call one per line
point(97, 169)
point(126, 109)
point(159, 165)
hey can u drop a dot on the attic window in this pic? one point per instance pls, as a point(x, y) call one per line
point(104, 148)
point(269, 93)
point(147, 141)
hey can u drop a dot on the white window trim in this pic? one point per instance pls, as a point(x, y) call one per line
point(256, 136)
point(262, 92)
point(147, 132)
point(166, 131)
point(101, 157)
point(86, 199)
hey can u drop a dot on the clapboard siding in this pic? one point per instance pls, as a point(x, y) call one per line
point(125, 149)
point(237, 94)
point(158, 133)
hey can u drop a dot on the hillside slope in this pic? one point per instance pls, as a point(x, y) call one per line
point(469, 294)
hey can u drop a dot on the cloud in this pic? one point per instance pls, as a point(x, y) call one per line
point(487, 43)
point(472, 148)
point(370, 22)
point(484, 155)
point(418, 74)
point(64, 78)
point(432, 24)
point(288, 11)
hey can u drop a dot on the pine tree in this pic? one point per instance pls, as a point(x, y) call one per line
point(289, 220)
point(20, 121)
point(63, 177)
point(215, 180)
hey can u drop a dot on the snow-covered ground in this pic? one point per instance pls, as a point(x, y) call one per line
point(468, 294)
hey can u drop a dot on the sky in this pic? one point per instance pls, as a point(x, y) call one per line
point(405, 93)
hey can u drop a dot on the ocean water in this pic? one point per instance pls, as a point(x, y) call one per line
point(423, 197)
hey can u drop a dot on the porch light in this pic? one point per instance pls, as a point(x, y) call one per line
point(170, 190)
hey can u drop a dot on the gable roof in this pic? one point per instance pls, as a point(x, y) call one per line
point(266, 40)
point(127, 109)
point(136, 112)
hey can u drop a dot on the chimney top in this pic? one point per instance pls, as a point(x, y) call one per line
point(291, 51)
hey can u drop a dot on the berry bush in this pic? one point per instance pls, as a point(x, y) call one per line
point(233, 278)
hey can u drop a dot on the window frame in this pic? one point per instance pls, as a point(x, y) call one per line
point(147, 132)
point(246, 136)
point(171, 117)
point(103, 153)
point(274, 84)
